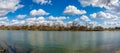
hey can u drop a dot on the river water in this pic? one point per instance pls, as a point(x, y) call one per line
point(60, 41)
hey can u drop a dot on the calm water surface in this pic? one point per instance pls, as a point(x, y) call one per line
point(60, 42)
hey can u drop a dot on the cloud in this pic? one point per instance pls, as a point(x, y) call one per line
point(51, 18)
point(42, 1)
point(72, 10)
point(36, 21)
point(98, 3)
point(21, 16)
point(104, 15)
point(43, 21)
point(77, 19)
point(115, 8)
point(93, 23)
point(3, 23)
point(110, 23)
point(38, 12)
point(31, 19)
point(7, 6)
point(57, 18)
point(3, 18)
point(17, 23)
point(111, 13)
point(84, 18)
point(28, 21)
point(111, 6)
point(93, 15)
point(41, 18)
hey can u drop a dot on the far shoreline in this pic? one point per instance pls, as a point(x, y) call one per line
point(64, 30)
point(58, 28)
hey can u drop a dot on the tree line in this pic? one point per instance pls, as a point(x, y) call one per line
point(73, 27)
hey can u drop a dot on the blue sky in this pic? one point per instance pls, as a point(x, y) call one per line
point(56, 7)
point(96, 12)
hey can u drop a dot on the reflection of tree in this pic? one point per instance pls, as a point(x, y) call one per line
point(10, 48)
point(27, 42)
point(9, 36)
point(14, 46)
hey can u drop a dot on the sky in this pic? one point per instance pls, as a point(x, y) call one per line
point(40, 12)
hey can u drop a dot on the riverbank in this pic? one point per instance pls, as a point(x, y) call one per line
point(58, 28)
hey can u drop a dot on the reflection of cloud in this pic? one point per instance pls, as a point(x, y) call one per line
point(36, 39)
point(52, 42)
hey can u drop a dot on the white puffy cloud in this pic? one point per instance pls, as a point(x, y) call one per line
point(93, 15)
point(93, 23)
point(3, 23)
point(77, 19)
point(115, 8)
point(37, 21)
point(112, 6)
point(57, 18)
point(42, 1)
point(98, 3)
point(72, 10)
point(104, 15)
point(84, 18)
point(38, 12)
point(31, 19)
point(41, 18)
point(3, 18)
point(111, 13)
point(44, 21)
point(17, 22)
point(110, 23)
point(21, 16)
point(7, 6)
point(22, 22)
point(51, 18)
point(58, 23)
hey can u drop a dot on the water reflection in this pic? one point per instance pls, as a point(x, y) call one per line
point(60, 42)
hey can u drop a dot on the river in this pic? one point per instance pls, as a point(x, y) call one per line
point(60, 41)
